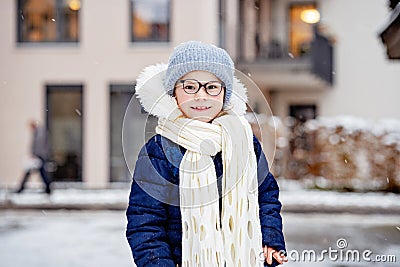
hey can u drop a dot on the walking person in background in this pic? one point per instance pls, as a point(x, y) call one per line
point(39, 155)
point(202, 193)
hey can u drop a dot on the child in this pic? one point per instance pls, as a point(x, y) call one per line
point(202, 194)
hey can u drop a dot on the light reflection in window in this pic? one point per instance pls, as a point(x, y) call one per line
point(150, 20)
point(48, 20)
point(301, 33)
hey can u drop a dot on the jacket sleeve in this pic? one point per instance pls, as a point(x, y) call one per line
point(147, 212)
point(270, 206)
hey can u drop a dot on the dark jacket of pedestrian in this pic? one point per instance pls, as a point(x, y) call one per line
point(40, 144)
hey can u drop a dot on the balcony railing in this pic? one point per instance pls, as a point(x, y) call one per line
point(322, 57)
point(312, 66)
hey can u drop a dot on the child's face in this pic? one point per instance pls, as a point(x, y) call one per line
point(201, 105)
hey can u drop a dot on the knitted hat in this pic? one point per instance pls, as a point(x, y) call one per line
point(195, 55)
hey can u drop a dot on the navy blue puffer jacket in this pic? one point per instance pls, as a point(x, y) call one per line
point(154, 230)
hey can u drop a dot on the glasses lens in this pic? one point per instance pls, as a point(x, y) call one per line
point(190, 86)
point(214, 88)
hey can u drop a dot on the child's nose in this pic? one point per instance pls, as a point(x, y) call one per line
point(201, 93)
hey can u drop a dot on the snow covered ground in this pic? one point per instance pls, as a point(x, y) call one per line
point(95, 235)
point(293, 197)
point(67, 197)
point(63, 239)
point(39, 238)
point(371, 237)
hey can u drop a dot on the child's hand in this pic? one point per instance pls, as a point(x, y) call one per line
point(271, 252)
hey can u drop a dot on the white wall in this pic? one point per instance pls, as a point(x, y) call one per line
point(367, 84)
point(103, 55)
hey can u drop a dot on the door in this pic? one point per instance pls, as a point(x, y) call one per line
point(64, 122)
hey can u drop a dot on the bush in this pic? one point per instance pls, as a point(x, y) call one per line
point(341, 153)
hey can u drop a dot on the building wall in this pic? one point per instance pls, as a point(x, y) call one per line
point(366, 82)
point(103, 55)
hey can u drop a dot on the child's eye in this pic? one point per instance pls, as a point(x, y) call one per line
point(190, 87)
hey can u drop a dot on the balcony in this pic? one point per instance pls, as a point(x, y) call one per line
point(276, 68)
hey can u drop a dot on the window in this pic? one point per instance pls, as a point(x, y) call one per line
point(133, 130)
point(301, 33)
point(301, 142)
point(120, 97)
point(150, 20)
point(48, 20)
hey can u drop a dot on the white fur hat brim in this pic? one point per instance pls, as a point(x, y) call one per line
point(154, 98)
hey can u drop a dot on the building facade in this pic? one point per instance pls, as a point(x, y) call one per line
point(72, 66)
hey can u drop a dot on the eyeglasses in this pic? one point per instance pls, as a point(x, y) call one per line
point(192, 86)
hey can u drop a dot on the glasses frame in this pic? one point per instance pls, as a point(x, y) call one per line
point(223, 86)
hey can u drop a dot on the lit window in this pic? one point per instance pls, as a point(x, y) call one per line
point(302, 16)
point(48, 20)
point(150, 20)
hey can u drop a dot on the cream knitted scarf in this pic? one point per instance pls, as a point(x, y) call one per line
point(208, 240)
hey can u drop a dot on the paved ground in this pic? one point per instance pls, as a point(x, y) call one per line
point(344, 233)
point(40, 238)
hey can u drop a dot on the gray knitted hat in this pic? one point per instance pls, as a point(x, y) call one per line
point(195, 55)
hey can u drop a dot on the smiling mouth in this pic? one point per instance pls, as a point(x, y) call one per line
point(200, 108)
